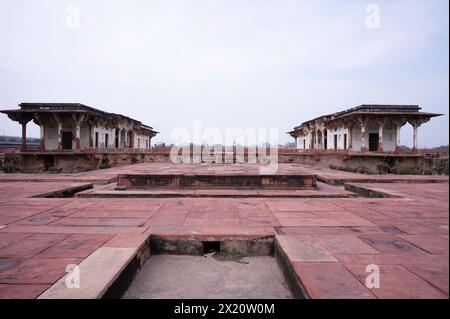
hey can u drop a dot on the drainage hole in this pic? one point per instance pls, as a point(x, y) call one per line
point(211, 247)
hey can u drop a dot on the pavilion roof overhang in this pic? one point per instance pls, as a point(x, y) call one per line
point(28, 110)
point(384, 113)
point(374, 110)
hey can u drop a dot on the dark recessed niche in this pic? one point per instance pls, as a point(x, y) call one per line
point(211, 246)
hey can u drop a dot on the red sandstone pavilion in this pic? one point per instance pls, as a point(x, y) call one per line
point(373, 128)
point(74, 126)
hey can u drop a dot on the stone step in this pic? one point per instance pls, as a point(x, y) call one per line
point(213, 193)
point(195, 181)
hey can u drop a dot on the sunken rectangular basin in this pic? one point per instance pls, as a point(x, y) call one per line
point(206, 181)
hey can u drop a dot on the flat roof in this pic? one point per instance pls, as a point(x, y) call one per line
point(68, 107)
point(376, 109)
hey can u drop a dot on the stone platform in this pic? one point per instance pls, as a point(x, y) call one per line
point(325, 244)
point(218, 181)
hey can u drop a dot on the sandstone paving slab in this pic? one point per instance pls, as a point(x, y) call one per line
point(398, 282)
point(37, 220)
point(193, 213)
point(303, 249)
point(431, 243)
point(394, 259)
point(225, 193)
point(389, 244)
point(50, 229)
point(259, 221)
point(294, 214)
point(130, 212)
point(339, 230)
point(97, 273)
point(345, 244)
point(424, 212)
point(127, 240)
point(9, 220)
point(36, 271)
point(329, 281)
point(8, 291)
point(436, 274)
point(66, 210)
point(6, 264)
point(77, 245)
point(100, 221)
point(7, 239)
point(295, 205)
point(423, 229)
point(208, 232)
point(210, 222)
point(167, 220)
point(113, 204)
point(31, 246)
point(318, 221)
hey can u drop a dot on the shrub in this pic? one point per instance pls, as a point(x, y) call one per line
point(104, 165)
point(384, 168)
point(54, 170)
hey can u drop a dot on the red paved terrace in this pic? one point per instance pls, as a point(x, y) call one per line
point(324, 236)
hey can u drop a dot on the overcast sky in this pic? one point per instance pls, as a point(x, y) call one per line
point(228, 63)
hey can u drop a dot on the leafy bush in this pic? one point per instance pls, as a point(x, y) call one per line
point(54, 170)
point(104, 165)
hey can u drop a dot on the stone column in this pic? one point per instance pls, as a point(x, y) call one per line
point(131, 139)
point(23, 147)
point(60, 144)
point(91, 139)
point(323, 139)
point(42, 137)
point(350, 138)
point(296, 142)
point(363, 137)
point(307, 142)
point(415, 136)
point(380, 137)
point(397, 137)
point(77, 135)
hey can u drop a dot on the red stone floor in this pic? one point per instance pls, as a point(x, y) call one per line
point(408, 237)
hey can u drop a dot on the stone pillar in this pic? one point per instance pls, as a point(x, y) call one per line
point(363, 137)
point(77, 135)
point(415, 136)
point(397, 137)
point(322, 139)
point(91, 139)
point(23, 147)
point(296, 142)
point(131, 139)
point(350, 138)
point(307, 140)
point(60, 144)
point(42, 137)
point(380, 137)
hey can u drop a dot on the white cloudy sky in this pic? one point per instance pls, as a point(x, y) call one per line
point(228, 63)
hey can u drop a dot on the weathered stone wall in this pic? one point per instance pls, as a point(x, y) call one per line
point(70, 161)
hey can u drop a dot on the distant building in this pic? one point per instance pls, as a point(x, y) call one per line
point(374, 128)
point(74, 126)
